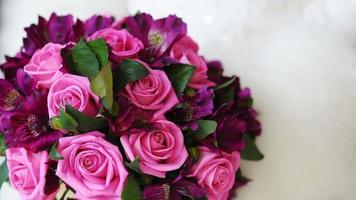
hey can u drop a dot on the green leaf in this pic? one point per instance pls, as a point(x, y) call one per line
point(131, 190)
point(134, 165)
point(85, 62)
point(54, 154)
point(86, 123)
point(251, 152)
point(4, 173)
point(130, 71)
point(241, 177)
point(180, 74)
point(226, 84)
point(102, 85)
point(206, 127)
point(224, 95)
point(100, 49)
point(2, 144)
point(194, 153)
point(64, 121)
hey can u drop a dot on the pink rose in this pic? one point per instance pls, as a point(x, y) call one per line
point(215, 172)
point(92, 166)
point(186, 51)
point(45, 65)
point(27, 173)
point(122, 43)
point(159, 150)
point(154, 92)
point(75, 91)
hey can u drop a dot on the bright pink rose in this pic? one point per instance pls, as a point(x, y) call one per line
point(186, 51)
point(45, 65)
point(27, 173)
point(215, 172)
point(75, 91)
point(122, 43)
point(92, 166)
point(159, 150)
point(154, 92)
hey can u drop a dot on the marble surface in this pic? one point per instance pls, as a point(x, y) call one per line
point(298, 57)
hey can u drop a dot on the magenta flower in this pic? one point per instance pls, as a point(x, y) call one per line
point(174, 191)
point(192, 108)
point(158, 36)
point(25, 122)
point(29, 127)
point(236, 117)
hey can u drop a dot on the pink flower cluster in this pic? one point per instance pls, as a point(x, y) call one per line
point(154, 137)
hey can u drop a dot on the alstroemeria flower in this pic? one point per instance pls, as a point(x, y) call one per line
point(24, 117)
point(158, 36)
point(175, 191)
point(192, 108)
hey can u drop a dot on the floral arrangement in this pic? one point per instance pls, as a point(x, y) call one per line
point(122, 109)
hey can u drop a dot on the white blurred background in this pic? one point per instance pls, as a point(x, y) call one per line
point(298, 57)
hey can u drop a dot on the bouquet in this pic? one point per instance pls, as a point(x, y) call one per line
point(124, 109)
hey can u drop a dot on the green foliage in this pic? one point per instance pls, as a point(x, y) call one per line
point(206, 127)
point(130, 71)
point(180, 74)
point(131, 190)
point(251, 151)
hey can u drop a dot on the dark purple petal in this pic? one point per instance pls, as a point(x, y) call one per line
point(52, 181)
point(192, 108)
point(202, 103)
point(12, 64)
point(165, 32)
point(230, 133)
point(79, 30)
point(139, 26)
point(97, 22)
point(36, 38)
point(131, 118)
point(215, 71)
point(10, 98)
point(156, 192)
point(158, 36)
point(29, 126)
point(60, 29)
point(189, 189)
point(25, 82)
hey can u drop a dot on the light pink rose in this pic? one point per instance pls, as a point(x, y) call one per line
point(154, 92)
point(186, 52)
point(27, 173)
point(159, 150)
point(92, 166)
point(215, 172)
point(75, 91)
point(122, 43)
point(45, 65)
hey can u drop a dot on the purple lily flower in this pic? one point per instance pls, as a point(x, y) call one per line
point(29, 126)
point(10, 98)
point(173, 191)
point(24, 120)
point(192, 108)
point(158, 36)
point(236, 117)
